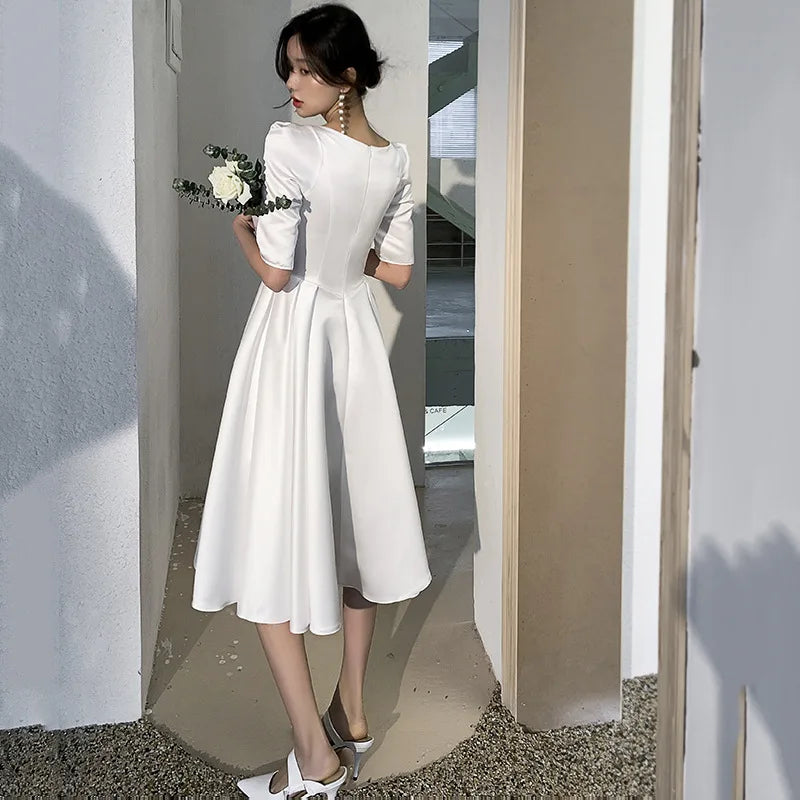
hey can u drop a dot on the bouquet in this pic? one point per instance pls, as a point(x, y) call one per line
point(238, 186)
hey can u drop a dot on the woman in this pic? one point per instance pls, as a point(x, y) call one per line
point(310, 501)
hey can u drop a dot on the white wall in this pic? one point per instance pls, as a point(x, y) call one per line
point(744, 562)
point(157, 310)
point(644, 406)
point(455, 179)
point(226, 92)
point(69, 433)
point(490, 211)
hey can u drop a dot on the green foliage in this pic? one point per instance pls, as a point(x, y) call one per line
point(251, 172)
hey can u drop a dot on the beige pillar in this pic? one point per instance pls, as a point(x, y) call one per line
point(562, 626)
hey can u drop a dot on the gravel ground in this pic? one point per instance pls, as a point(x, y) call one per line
point(500, 759)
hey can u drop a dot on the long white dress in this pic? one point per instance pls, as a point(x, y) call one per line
point(310, 486)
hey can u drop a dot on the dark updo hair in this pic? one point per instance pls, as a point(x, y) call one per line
point(333, 38)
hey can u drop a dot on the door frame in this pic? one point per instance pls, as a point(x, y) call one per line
point(511, 351)
point(678, 366)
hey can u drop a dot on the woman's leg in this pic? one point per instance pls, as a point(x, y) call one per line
point(347, 706)
point(286, 654)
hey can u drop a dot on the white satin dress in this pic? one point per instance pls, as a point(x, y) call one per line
point(310, 486)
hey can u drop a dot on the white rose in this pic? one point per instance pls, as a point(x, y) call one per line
point(245, 195)
point(225, 183)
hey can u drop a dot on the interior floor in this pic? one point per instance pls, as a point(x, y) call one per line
point(450, 306)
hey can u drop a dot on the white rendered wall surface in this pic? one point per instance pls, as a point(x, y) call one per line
point(644, 403)
point(490, 211)
point(227, 91)
point(156, 104)
point(70, 642)
point(744, 560)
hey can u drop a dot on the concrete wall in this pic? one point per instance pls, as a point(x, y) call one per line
point(70, 644)
point(490, 242)
point(644, 402)
point(156, 153)
point(744, 560)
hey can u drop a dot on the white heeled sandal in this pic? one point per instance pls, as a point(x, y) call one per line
point(358, 746)
point(298, 786)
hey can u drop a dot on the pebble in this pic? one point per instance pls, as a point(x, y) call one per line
point(500, 758)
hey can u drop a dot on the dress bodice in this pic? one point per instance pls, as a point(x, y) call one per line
point(347, 197)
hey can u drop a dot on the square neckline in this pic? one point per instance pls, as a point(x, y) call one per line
point(357, 141)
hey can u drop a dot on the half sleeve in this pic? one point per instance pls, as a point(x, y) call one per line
point(276, 232)
point(394, 239)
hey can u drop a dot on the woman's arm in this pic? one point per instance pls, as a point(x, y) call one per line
point(274, 277)
point(397, 275)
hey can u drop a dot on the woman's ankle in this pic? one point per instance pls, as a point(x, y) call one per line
point(318, 762)
point(352, 703)
point(350, 712)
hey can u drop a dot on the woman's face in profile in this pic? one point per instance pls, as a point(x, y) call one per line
point(314, 96)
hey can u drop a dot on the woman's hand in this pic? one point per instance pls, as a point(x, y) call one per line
point(244, 223)
point(372, 262)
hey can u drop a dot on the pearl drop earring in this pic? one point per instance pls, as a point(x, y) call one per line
point(342, 120)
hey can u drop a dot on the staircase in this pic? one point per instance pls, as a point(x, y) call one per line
point(450, 264)
point(449, 77)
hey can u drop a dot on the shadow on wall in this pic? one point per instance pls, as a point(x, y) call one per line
point(746, 615)
point(67, 379)
point(67, 324)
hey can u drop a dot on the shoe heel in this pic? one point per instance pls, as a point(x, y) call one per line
point(357, 746)
point(359, 750)
point(356, 762)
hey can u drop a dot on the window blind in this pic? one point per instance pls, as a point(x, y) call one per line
point(451, 131)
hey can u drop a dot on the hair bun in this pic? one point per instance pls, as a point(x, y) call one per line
point(372, 69)
point(333, 37)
